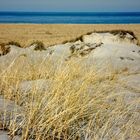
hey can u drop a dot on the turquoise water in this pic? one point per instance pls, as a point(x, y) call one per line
point(70, 18)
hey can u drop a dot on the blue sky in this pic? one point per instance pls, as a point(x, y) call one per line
point(71, 5)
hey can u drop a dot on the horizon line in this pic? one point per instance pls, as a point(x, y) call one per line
point(74, 11)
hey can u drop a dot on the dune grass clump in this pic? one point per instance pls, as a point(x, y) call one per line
point(65, 110)
point(14, 43)
point(3, 49)
point(122, 34)
point(77, 105)
point(39, 46)
point(79, 38)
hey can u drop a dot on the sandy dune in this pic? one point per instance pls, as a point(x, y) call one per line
point(115, 58)
point(55, 34)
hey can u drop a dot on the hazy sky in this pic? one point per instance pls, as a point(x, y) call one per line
point(70, 5)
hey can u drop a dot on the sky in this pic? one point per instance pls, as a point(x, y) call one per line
point(71, 5)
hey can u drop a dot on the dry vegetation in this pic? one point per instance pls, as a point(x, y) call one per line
point(54, 34)
point(79, 104)
point(75, 106)
point(14, 43)
point(38, 45)
point(3, 49)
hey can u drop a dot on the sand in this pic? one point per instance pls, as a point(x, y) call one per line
point(106, 66)
point(52, 34)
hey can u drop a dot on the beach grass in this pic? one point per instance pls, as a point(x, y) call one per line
point(51, 34)
point(77, 104)
point(80, 102)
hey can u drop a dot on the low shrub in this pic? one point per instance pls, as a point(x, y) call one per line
point(3, 49)
point(14, 43)
point(38, 45)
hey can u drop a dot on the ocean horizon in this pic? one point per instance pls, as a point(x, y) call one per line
point(70, 17)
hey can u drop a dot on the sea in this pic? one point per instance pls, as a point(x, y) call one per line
point(70, 17)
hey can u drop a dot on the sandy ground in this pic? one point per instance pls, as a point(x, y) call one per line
point(69, 84)
point(54, 34)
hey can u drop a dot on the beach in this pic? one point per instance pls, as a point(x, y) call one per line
point(51, 34)
point(70, 70)
point(69, 82)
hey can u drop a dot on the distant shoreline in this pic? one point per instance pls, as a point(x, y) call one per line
point(70, 17)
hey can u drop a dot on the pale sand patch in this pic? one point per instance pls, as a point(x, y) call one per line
point(89, 87)
point(52, 34)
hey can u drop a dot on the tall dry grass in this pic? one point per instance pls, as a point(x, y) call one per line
point(75, 106)
point(55, 34)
